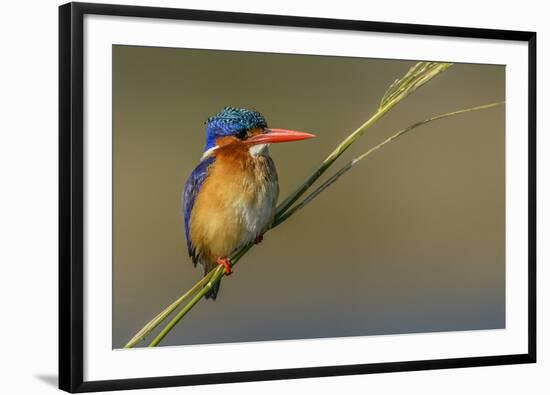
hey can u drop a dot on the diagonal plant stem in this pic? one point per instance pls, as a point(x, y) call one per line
point(151, 325)
point(416, 77)
point(280, 219)
point(200, 285)
point(217, 274)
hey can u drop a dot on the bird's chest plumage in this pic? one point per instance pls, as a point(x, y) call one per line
point(236, 203)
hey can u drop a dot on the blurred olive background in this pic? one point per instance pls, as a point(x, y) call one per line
point(411, 240)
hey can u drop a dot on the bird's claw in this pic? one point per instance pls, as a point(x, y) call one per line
point(258, 239)
point(226, 263)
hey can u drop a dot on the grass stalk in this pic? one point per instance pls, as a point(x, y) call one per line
point(214, 276)
point(151, 325)
point(217, 274)
point(416, 77)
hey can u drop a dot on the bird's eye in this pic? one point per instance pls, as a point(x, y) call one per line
point(242, 134)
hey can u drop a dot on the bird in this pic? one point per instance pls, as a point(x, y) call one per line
point(229, 199)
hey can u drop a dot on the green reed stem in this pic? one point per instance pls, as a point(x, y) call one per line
point(417, 76)
point(217, 274)
point(151, 325)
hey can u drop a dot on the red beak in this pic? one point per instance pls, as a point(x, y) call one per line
point(278, 136)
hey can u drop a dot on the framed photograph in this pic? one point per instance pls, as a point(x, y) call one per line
point(253, 197)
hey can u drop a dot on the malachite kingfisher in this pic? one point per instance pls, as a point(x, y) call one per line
point(230, 197)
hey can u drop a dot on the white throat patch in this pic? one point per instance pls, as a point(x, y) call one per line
point(259, 149)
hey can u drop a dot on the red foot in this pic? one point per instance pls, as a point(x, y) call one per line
point(258, 239)
point(226, 263)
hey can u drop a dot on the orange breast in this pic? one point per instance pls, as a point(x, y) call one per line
point(236, 201)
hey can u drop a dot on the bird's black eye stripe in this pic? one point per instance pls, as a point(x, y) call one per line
point(242, 134)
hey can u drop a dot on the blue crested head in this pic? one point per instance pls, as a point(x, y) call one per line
point(231, 121)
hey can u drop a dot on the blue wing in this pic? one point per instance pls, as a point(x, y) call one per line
point(190, 192)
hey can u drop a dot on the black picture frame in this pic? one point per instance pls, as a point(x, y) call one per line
point(71, 178)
